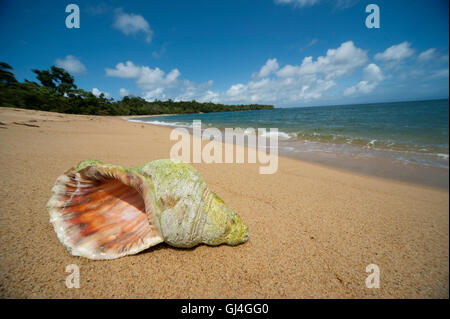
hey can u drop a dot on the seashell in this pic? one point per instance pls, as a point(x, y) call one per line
point(104, 211)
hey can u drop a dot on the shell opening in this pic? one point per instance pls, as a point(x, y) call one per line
point(101, 213)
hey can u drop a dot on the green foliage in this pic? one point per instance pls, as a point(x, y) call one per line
point(6, 77)
point(58, 93)
point(56, 79)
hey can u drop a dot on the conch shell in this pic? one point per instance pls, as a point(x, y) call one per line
point(103, 211)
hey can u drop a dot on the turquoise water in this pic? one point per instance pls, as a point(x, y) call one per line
point(407, 131)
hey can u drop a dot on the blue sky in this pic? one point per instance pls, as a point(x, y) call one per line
point(280, 52)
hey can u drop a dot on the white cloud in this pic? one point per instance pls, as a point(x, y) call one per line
point(344, 4)
point(340, 4)
point(336, 63)
point(309, 44)
point(158, 54)
point(146, 77)
point(131, 24)
point(172, 76)
point(152, 81)
point(270, 66)
point(71, 64)
point(236, 90)
point(127, 70)
point(156, 94)
point(209, 96)
point(427, 55)
point(395, 54)
point(373, 73)
point(290, 85)
point(97, 93)
point(372, 77)
point(98, 9)
point(202, 93)
point(124, 92)
point(277, 90)
point(151, 78)
point(314, 80)
point(362, 87)
point(298, 3)
point(442, 73)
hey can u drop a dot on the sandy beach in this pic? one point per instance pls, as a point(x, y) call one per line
point(313, 228)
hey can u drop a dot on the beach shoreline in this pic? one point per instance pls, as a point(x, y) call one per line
point(142, 116)
point(313, 228)
point(372, 166)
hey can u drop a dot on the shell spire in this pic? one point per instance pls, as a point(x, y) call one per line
point(104, 211)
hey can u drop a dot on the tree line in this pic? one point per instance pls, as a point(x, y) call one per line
point(57, 92)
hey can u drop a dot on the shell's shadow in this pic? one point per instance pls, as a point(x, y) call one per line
point(163, 245)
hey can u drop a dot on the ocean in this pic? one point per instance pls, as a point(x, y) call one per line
point(410, 134)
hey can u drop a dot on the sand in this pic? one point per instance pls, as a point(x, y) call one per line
point(313, 228)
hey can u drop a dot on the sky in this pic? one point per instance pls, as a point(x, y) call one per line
point(287, 53)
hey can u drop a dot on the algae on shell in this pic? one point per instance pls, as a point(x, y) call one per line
point(104, 211)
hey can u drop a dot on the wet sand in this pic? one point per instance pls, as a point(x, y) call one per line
point(380, 167)
point(359, 160)
point(313, 228)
